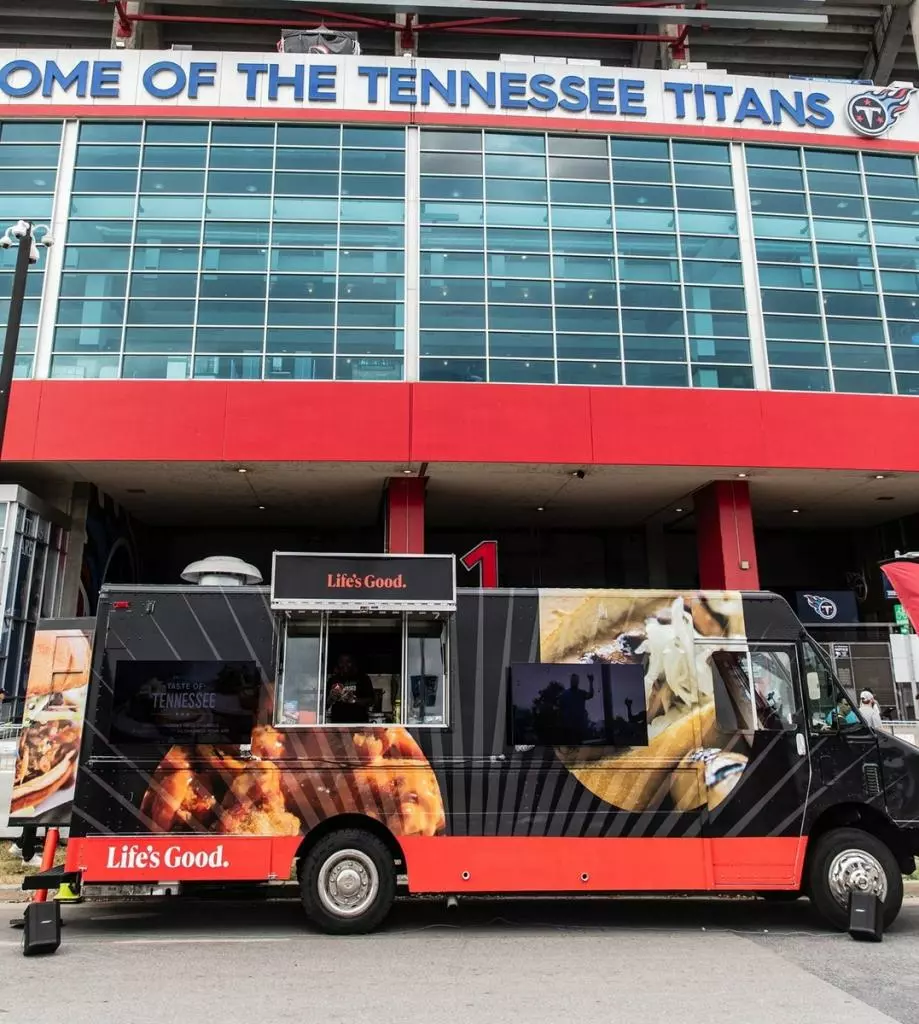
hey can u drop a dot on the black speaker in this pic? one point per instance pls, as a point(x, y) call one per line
point(866, 917)
point(42, 932)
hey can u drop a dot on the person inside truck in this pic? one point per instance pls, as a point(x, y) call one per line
point(349, 693)
point(842, 714)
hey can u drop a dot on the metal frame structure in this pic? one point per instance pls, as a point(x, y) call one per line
point(853, 39)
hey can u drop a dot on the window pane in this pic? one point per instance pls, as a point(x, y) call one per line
point(308, 160)
point(99, 131)
point(462, 370)
point(791, 353)
point(702, 174)
point(172, 181)
point(176, 132)
point(450, 140)
point(521, 371)
point(461, 343)
point(859, 357)
point(858, 382)
point(661, 375)
point(105, 181)
point(520, 344)
point(370, 161)
point(775, 178)
point(155, 367)
point(107, 156)
point(800, 380)
point(174, 157)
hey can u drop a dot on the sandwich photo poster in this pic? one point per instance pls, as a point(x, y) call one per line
point(52, 726)
point(639, 676)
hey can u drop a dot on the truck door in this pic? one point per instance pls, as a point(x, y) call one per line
point(766, 806)
point(843, 749)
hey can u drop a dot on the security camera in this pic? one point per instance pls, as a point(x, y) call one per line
point(6, 242)
point(20, 229)
point(47, 240)
point(579, 474)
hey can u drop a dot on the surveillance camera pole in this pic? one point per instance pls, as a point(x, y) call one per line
point(27, 254)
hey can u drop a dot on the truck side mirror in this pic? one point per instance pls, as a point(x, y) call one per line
point(813, 685)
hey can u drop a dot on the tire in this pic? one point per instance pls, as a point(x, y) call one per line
point(856, 859)
point(367, 864)
point(780, 895)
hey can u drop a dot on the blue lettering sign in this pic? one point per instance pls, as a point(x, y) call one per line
point(470, 84)
point(544, 94)
point(679, 91)
point(751, 105)
point(322, 83)
point(252, 71)
point(277, 81)
point(27, 88)
point(514, 91)
point(820, 114)
point(632, 97)
point(720, 92)
point(430, 83)
point(78, 77)
point(602, 92)
point(200, 75)
point(781, 105)
point(402, 86)
point(105, 79)
point(572, 88)
point(172, 76)
point(373, 76)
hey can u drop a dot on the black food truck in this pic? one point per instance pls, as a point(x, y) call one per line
point(359, 721)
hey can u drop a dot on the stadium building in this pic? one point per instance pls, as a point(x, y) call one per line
point(586, 294)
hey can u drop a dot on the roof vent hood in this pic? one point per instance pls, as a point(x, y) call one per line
point(221, 571)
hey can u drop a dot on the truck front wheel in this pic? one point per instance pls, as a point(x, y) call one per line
point(348, 882)
point(847, 860)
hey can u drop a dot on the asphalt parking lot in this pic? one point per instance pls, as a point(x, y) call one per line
point(635, 960)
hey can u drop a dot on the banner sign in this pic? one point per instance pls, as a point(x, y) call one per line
point(322, 82)
point(822, 606)
point(903, 574)
point(52, 726)
point(363, 582)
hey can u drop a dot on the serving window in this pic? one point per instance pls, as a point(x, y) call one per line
point(363, 669)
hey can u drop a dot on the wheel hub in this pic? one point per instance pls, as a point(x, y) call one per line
point(348, 883)
point(856, 871)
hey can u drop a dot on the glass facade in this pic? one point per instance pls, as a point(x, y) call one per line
point(580, 260)
point(234, 251)
point(836, 236)
point(315, 251)
point(29, 157)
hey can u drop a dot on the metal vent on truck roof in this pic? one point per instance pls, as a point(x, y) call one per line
point(221, 571)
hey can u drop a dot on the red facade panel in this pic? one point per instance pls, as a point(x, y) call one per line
point(70, 421)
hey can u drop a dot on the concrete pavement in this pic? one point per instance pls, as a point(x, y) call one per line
point(635, 961)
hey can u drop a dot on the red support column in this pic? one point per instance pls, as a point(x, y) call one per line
point(404, 526)
point(724, 534)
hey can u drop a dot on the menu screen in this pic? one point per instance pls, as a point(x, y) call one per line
point(184, 702)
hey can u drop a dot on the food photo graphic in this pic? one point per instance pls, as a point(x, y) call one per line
point(290, 780)
point(670, 652)
point(49, 743)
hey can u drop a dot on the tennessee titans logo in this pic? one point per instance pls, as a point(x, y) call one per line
point(875, 112)
point(823, 606)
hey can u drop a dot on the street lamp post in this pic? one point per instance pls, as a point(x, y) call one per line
point(27, 237)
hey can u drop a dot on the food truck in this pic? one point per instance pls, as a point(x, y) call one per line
point(362, 727)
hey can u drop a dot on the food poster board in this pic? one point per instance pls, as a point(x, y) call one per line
point(52, 728)
point(667, 659)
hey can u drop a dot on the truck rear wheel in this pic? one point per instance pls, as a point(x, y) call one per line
point(846, 860)
point(348, 882)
